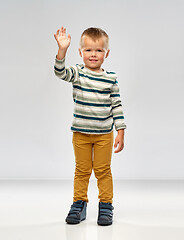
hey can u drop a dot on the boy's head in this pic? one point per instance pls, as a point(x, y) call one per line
point(95, 34)
point(94, 48)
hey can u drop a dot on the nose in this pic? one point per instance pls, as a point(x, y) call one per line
point(93, 53)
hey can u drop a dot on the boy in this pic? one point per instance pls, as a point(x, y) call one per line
point(97, 108)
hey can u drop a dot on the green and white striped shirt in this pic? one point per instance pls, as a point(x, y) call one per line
point(97, 103)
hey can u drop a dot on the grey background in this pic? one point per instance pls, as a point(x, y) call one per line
point(36, 108)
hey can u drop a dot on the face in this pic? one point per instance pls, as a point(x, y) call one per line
point(93, 53)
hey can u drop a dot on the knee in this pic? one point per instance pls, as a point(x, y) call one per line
point(102, 171)
point(80, 171)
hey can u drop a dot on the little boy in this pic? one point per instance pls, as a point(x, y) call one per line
point(97, 108)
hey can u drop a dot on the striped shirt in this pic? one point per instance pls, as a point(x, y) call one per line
point(97, 103)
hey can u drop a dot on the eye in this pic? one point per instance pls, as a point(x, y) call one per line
point(88, 50)
point(99, 50)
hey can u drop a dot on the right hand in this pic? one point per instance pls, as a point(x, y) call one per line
point(61, 38)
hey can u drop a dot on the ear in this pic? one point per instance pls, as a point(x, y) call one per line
point(80, 53)
point(107, 54)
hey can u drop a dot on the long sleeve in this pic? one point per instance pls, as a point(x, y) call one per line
point(69, 74)
point(117, 110)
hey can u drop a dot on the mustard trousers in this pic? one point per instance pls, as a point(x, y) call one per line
point(93, 152)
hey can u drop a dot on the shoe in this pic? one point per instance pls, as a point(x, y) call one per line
point(105, 214)
point(77, 212)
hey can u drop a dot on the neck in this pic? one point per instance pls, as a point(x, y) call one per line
point(96, 70)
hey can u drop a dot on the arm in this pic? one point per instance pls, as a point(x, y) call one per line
point(118, 117)
point(67, 74)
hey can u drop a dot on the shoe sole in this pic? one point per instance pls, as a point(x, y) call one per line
point(104, 223)
point(71, 221)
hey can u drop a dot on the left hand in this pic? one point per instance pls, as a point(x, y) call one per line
point(119, 140)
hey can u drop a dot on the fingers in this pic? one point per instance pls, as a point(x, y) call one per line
point(69, 36)
point(117, 150)
point(56, 34)
point(61, 32)
point(120, 147)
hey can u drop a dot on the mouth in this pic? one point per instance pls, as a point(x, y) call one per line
point(93, 60)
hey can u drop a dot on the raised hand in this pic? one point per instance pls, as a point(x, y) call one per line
point(61, 38)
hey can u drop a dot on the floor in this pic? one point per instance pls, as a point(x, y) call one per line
point(143, 210)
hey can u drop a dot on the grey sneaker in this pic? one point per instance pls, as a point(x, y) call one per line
point(77, 212)
point(105, 214)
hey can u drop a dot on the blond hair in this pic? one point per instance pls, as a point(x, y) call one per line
point(95, 33)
